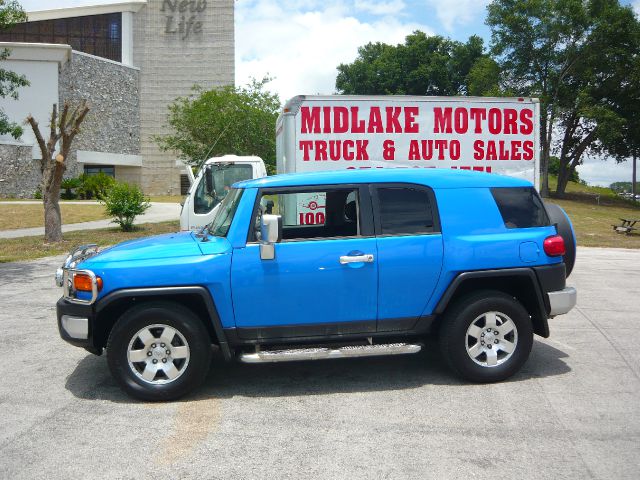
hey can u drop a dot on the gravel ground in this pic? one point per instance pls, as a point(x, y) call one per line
point(573, 412)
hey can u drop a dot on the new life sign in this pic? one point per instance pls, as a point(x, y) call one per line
point(183, 18)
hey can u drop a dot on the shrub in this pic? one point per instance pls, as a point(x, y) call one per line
point(96, 185)
point(125, 202)
point(69, 184)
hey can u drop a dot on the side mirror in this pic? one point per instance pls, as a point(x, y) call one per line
point(271, 233)
point(208, 181)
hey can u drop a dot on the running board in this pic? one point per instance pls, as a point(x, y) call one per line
point(322, 353)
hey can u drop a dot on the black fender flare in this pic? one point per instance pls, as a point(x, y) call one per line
point(198, 290)
point(538, 306)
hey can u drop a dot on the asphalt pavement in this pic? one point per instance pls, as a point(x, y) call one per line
point(573, 412)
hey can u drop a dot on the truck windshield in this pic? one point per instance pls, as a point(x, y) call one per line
point(222, 176)
point(221, 222)
point(226, 174)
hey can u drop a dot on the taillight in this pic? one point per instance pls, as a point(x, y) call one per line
point(82, 282)
point(554, 246)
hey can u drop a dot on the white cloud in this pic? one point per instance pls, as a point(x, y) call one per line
point(394, 7)
point(605, 172)
point(636, 7)
point(452, 13)
point(302, 43)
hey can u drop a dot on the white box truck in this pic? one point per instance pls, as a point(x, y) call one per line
point(316, 133)
point(335, 132)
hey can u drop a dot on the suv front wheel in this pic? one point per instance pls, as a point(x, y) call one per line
point(159, 351)
point(486, 336)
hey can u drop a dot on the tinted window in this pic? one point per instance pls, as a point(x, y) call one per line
point(405, 211)
point(520, 207)
point(99, 35)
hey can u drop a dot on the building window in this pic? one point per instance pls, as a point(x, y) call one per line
point(98, 35)
point(94, 169)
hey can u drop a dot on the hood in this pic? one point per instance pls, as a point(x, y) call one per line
point(171, 245)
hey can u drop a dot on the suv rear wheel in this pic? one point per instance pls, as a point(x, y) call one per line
point(486, 336)
point(159, 351)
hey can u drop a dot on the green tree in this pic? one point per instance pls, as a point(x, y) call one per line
point(225, 120)
point(423, 65)
point(574, 55)
point(628, 145)
point(10, 13)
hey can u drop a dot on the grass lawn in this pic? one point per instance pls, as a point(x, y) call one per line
point(592, 222)
point(593, 210)
point(28, 248)
point(14, 216)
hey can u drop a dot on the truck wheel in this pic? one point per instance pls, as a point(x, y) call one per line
point(159, 351)
point(486, 336)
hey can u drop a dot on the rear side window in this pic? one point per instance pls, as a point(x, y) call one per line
point(520, 207)
point(405, 211)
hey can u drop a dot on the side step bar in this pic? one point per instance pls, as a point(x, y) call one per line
point(322, 353)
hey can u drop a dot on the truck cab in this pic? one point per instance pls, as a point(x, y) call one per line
point(212, 184)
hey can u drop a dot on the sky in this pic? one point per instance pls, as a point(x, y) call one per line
point(299, 43)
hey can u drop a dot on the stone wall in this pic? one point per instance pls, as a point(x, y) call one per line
point(19, 173)
point(112, 91)
point(176, 49)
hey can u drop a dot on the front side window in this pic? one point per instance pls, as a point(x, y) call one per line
point(404, 211)
point(203, 202)
point(314, 213)
point(221, 222)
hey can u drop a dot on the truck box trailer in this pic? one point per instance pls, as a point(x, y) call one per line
point(336, 132)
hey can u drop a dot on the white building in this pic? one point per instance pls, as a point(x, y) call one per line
point(129, 60)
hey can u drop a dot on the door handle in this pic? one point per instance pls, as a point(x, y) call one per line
point(366, 258)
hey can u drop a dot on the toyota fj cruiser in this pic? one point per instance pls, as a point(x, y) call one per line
point(476, 259)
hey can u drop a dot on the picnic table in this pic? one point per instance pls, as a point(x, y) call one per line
point(627, 226)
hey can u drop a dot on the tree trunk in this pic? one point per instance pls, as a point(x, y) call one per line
point(51, 200)
point(52, 220)
point(563, 179)
point(65, 128)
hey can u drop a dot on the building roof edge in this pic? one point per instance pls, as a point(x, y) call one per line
point(85, 10)
point(44, 52)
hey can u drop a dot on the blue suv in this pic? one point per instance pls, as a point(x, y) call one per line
point(390, 256)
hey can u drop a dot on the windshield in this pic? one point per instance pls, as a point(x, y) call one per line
point(222, 176)
point(225, 175)
point(221, 222)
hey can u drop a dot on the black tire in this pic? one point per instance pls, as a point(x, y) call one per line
point(192, 368)
point(559, 217)
point(455, 340)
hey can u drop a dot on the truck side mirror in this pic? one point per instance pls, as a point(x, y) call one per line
point(208, 180)
point(271, 233)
